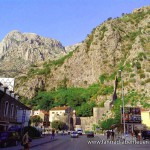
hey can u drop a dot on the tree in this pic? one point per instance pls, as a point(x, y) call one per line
point(36, 120)
point(59, 125)
point(106, 124)
point(86, 109)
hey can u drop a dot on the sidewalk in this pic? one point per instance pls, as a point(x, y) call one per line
point(117, 137)
point(43, 140)
point(34, 143)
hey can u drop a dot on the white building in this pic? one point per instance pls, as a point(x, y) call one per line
point(56, 112)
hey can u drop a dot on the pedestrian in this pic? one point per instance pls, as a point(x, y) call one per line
point(108, 134)
point(139, 136)
point(25, 141)
point(53, 134)
point(136, 134)
point(112, 135)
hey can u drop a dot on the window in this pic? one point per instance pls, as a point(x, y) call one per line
point(12, 110)
point(16, 110)
point(6, 108)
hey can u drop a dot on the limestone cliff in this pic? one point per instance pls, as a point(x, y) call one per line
point(120, 43)
point(19, 50)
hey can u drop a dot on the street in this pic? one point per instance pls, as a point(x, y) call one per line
point(82, 142)
point(67, 143)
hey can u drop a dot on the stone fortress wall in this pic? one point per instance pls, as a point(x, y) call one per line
point(86, 123)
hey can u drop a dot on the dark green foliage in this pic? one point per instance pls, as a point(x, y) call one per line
point(134, 17)
point(141, 56)
point(101, 104)
point(86, 109)
point(47, 66)
point(128, 67)
point(33, 132)
point(33, 65)
point(142, 75)
point(103, 30)
point(138, 65)
point(63, 83)
point(104, 90)
point(60, 61)
point(36, 120)
point(74, 97)
point(58, 125)
point(89, 41)
point(132, 98)
point(102, 78)
point(132, 75)
point(106, 124)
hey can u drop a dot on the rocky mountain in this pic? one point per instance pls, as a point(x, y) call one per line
point(120, 43)
point(19, 50)
point(72, 47)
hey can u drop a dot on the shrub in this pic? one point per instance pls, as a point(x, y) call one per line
point(102, 78)
point(138, 65)
point(59, 125)
point(101, 104)
point(132, 75)
point(141, 56)
point(142, 75)
point(33, 132)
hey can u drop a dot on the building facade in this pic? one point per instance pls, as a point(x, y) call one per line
point(44, 115)
point(145, 116)
point(9, 106)
point(57, 112)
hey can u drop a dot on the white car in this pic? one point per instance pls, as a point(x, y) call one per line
point(74, 134)
point(79, 131)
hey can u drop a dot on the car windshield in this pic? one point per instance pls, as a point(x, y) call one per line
point(74, 132)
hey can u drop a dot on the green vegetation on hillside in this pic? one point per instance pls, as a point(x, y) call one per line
point(132, 98)
point(47, 66)
point(134, 17)
point(78, 98)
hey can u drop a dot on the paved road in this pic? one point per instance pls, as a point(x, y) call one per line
point(81, 143)
point(84, 143)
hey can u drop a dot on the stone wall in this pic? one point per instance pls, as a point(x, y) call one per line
point(86, 123)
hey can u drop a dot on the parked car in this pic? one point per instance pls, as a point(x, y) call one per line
point(79, 131)
point(9, 138)
point(74, 134)
point(90, 134)
point(146, 135)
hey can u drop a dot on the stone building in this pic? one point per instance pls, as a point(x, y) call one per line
point(44, 115)
point(62, 113)
point(9, 106)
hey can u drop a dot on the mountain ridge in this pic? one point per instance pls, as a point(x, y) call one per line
point(121, 43)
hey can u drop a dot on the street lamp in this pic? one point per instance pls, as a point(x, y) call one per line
point(122, 93)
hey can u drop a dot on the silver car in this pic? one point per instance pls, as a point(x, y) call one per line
point(74, 134)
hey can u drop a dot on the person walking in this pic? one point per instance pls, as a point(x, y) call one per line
point(108, 134)
point(112, 135)
point(25, 141)
point(53, 134)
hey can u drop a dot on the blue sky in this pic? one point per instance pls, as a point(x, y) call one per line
point(68, 21)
